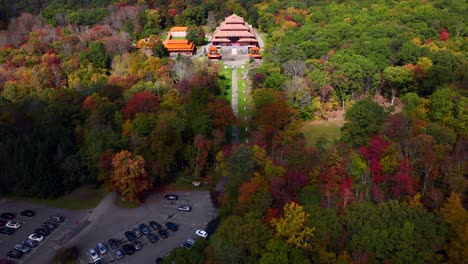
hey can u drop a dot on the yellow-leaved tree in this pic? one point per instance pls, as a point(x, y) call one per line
point(293, 226)
point(129, 177)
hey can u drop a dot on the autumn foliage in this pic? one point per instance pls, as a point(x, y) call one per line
point(143, 102)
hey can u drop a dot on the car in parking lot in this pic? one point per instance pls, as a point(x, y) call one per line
point(8, 216)
point(163, 233)
point(171, 226)
point(119, 254)
point(153, 238)
point(158, 260)
point(49, 225)
point(188, 243)
point(93, 254)
point(113, 243)
point(13, 224)
point(36, 237)
point(57, 219)
point(171, 197)
point(102, 249)
point(137, 244)
point(7, 231)
point(137, 232)
point(15, 254)
point(155, 225)
point(28, 213)
point(22, 247)
point(129, 249)
point(130, 235)
point(144, 229)
point(185, 208)
point(42, 231)
point(201, 233)
point(30, 243)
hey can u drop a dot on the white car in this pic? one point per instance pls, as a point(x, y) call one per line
point(102, 249)
point(202, 233)
point(93, 254)
point(36, 237)
point(13, 224)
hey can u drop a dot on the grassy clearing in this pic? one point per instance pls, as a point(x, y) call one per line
point(227, 72)
point(85, 197)
point(313, 130)
point(126, 204)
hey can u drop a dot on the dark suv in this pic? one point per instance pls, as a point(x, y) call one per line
point(155, 225)
point(129, 249)
point(171, 226)
point(130, 235)
point(144, 229)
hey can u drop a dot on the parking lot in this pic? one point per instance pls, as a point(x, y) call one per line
point(45, 250)
point(86, 228)
point(156, 208)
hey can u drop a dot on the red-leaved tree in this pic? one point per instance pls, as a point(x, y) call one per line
point(142, 102)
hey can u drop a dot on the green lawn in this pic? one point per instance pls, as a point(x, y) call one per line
point(228, 74)
point(85, 197)
point(313, 130)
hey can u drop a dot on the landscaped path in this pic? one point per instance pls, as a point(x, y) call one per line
point(235, 104)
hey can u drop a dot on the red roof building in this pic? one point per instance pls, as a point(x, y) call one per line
point(175, 45)
point(234, 31)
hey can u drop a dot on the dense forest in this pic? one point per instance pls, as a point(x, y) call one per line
point(79, 105)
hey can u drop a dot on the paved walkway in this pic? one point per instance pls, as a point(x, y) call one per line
point(234, 104)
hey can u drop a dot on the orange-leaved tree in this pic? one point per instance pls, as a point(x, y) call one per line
point(129, 177)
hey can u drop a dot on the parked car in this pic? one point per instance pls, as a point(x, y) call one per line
point(57, 219)
point(163, 233)
point(28, 213)
point(30, 243)
point(155, 225)
point(42, 231)
point(15, 254)
point(129, 249)
point(92, 253)
point(7, 231)
point(102, 249)
point(171, 226)
point(130, 235)
point(49, 225)
point(22, 247)
point(153, 238)
point(171, 197)
point(119, 254)
point(137, 244)
point(137, 232)
point(191, 241)
point(36, 237)
point(113, 243)
point(8, 216)
point(188, 243)
point(158, 260)
point(201, 233)
point(144, 229)
point(185, 208)
point(13, 224)
point(2, 223)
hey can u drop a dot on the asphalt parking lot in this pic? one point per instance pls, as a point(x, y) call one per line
point(45, 250)
point(85, 229)
point(118, 220)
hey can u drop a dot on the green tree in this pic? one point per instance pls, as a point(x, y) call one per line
point(279, 252)
point(196, 35)
point(363, 120)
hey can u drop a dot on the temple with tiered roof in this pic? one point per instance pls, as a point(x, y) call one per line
point(234, 31)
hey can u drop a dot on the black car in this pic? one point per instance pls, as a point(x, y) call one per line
point(144, 229)
point(155, 225)
point(171, 197)
point(15, 254)
point(158, 260)
point(137, 232)
point(153, 238)
point(42, 231)
point(28, 213)
point(129, 249)
point(7, 231)
point(114, 243)
point(8, 216)
point(171, 226)
point(163, 233)
point(137, 244)
point(57, 219)
point(130, 235)
point(49, 225)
